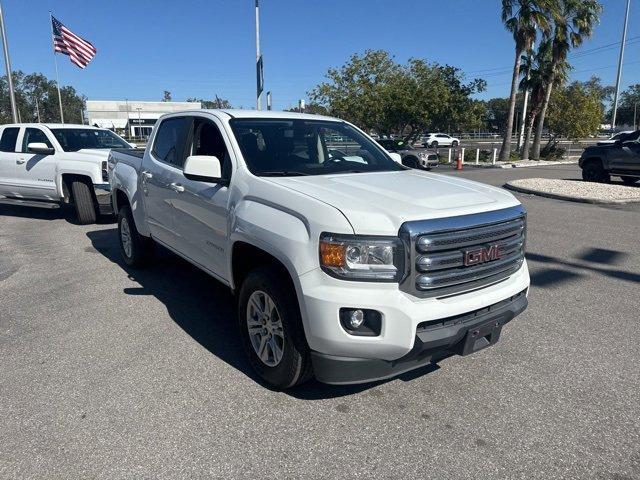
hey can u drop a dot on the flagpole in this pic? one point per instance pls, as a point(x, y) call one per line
point(55, 61)
point(7, 62)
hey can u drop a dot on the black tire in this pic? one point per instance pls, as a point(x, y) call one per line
point(294, 367)
point(140, 248)
point(411, 162)
point(629, 180)
point(592, 171)
point(86, 208)
point(434, 144)
point(454, 144)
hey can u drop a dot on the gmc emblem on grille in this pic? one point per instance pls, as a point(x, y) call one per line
point(482, 255)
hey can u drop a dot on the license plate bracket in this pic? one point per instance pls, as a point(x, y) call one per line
point(481, 336)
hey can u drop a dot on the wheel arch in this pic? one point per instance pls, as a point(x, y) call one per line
point(69, 178)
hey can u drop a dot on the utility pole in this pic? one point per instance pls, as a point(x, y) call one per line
point(259, 76)
point(635, 118)
point(619, 76)
point(7, 63)
point(269, 100)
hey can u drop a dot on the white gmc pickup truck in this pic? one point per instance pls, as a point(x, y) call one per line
point(347, 265)
point(45, 164)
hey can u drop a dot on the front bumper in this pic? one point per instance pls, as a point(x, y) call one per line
point(424, 163)
point(434, 341)
point(103, 197)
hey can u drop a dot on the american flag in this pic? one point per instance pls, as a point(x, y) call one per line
point(65, 41)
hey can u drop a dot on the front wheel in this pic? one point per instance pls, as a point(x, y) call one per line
point(136, 249)
point(411, 162)
point(271, 329)
point(593, 172)
point(86, 209)
point(629, 180)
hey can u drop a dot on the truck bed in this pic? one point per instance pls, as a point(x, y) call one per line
point(128, 156)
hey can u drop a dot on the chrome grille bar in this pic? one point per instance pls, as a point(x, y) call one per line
point(436, 251)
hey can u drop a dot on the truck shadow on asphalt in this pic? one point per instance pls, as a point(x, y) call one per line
point(556, 271)
point(64, 212)
point(206, 310)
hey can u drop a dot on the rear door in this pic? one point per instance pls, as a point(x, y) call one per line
point(161, 177)
point(36, 172)
point(8, 158)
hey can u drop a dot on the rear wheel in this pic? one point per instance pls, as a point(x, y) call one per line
point(271, 329)
point(593, 172)
point(136, 249)
point(454, 143)
point(434, 144)
point(629, 180)
point(86, 209)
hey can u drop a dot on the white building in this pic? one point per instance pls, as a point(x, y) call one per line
point(132, 118)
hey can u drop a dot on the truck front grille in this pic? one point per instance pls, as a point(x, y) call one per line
point(458, 254)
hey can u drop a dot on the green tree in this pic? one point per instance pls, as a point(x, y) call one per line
point(166, 96)
point(523, 18)
point(575, 111)
point(378, 94)
point(628, 105)
point(37, 97)
point(573, 22)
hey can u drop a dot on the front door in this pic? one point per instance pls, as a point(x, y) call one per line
point(160, 176)
point(625, 158)
point(200, 212)
point(35, 172)
point(8, 158)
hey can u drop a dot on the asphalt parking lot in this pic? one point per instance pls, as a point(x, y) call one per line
point(114, 373)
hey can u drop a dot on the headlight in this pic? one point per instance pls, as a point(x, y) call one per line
point(355, 257)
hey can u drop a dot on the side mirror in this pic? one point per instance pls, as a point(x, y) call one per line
point(396, 157)
point(41, 148)
point(203, 168)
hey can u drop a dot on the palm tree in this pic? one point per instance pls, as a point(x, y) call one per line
point(573, 22)
point(538, 67)
point(523, 18)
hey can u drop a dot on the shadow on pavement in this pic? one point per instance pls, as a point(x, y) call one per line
point(558, 271)
point(206, 310)
point(65, 212)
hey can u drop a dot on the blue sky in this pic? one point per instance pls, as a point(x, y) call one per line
point(205, 47)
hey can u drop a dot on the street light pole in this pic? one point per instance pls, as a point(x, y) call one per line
point(619, 76)
point(635, 118)
point(258, 65)
point(7, 63)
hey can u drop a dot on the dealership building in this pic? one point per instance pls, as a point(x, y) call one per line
point(132, 118)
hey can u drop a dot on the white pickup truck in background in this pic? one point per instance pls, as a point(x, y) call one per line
point(44, 164)
point(347, 265)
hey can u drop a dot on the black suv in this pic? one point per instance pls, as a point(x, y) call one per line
point(411, 157)
point(621, 158)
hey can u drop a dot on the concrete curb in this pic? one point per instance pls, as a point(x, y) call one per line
point(570, 198)
point(541, 163)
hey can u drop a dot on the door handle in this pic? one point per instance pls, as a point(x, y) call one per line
point(177, 187)
point(146, 174)
point(20, 162)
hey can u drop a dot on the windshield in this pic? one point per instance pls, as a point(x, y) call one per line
point(275, 147)
point(74, 139)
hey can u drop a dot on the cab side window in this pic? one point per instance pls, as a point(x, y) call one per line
point(170, 142)
point(207, 140)
point(34, 135)
point(8, 140)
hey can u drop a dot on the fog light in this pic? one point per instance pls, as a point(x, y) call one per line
point(356, 319)
point(361, 321)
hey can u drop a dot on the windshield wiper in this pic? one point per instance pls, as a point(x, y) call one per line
point(282, 173)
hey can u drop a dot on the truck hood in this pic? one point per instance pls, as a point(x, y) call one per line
point(89, 154)
point(379, 203)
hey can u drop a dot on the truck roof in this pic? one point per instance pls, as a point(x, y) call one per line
point(237, 113)
point(50, 125)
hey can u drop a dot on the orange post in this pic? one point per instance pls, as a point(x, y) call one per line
point(458, 161)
